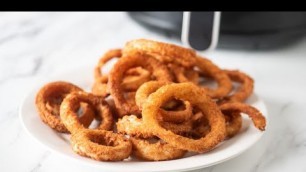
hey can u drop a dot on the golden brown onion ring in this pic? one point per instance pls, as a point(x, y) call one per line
point(197, 97)
point(101, 145)
point(166, 53)
point(182, 74)
point(210, 69)
point(158, 70)
point(135, 76)
point(134, 126)
point(245, 89)
point(69, 116)
point(258, 119)
point(114, 53)
point(145, 90)
point(158, 151)
point(130, 82)
point(167, 116)
point(233, 123)
point(100, 87)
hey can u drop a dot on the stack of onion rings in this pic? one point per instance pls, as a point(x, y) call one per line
point(152, 104)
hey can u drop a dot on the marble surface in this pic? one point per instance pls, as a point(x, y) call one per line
point(35, 46)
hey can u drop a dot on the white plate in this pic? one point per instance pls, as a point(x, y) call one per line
point(59, 143)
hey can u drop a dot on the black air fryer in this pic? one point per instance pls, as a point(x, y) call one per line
point(244, 30)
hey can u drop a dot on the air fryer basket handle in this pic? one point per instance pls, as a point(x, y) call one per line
point(200, 30)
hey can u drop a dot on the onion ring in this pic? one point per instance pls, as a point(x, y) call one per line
point(139, 75)
point(49, 99)
point(201, 128)
point(177, 116)
point(166, 53)
point(134, 126)
point(135, 78)
point(68, 114)
point(183, 74)
point(101, 145)
point(100, 87)
point(114, 53)
point(224, 83)
point(195, 96)
point(256, 116)
point(130, 83)
point(130, 97)
point(158, 151)
point(116, 75)
point(168, 116)
point(245, 89)
point(233, 123)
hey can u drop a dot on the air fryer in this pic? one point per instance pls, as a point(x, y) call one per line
point(242, 30)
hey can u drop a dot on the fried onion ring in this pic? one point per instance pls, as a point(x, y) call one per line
point(100, 87)
point(224, 83)
point(136, 76)
point(49, 99)
point(158, 70)
point(134, 126)
point(245, 89)
point(168, 116)
point(177, 116)
point(197, 97)
point(258, 119)
point(142, 149)
point(166, 53)
point(158, 151)
point(183, 74)
point(68, 111)
point(130, 83)
point(233, 123)
point(145, 90)
point(115, 53)
point(101, 145)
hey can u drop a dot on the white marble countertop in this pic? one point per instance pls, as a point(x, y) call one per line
point(38, 45)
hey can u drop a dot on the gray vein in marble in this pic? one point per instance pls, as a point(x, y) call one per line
point(284, 107)
point(299, 139)
point(37, 167)
point(26, 34)
point(37, 64)
point(7, 38)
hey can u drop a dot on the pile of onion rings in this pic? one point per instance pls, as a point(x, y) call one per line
point(155, 104)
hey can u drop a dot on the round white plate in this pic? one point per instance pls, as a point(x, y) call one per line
point(59, 143)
